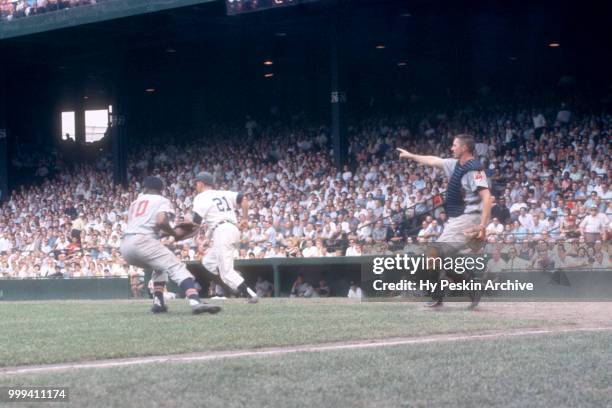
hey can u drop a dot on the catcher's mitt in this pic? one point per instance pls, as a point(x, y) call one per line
point(184, 230)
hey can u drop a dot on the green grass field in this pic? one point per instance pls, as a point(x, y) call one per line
point(560, 370)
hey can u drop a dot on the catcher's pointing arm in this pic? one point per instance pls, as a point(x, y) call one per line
point(432, 161)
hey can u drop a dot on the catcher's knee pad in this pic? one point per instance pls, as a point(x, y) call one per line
point(440, 250)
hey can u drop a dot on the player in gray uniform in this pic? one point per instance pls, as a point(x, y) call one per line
point(217, 208)
point(468, 199)
point(149, 215)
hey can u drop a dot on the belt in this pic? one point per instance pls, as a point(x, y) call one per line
point(470, 213)
point(129, 234)
point(219, 223)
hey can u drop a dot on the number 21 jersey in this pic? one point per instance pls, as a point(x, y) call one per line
point(215, 206)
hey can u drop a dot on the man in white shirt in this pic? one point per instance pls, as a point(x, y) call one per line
point(495, 228)
point(5, 243)
point(263, 287)
point(355, 292)
point(564, 261)
point(602, 261)
point(497, 264)
point(593, 226)
point(354, 249)
point(517, 206)
point(526, 219)
point(310, 251)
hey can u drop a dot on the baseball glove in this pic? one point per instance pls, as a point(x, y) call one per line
point(185, 230)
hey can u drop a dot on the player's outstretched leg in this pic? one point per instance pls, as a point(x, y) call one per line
point(179, 273)
point(159, 305)
point(248, 292)
point(435, 275)
point(191, 293)
point(159, 280)
point(233, 278)
point(220, 261)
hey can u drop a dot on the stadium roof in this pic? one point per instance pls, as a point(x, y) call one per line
point(412, 32)
point(420, 46)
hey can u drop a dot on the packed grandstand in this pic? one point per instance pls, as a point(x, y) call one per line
point(549, 171)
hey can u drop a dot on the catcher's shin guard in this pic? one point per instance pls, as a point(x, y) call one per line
point(435, 274)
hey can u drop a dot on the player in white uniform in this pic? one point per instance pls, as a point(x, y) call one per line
point(217, 208)
point(141, 247)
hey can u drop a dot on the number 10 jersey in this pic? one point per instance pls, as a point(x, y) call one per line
point(143, 213)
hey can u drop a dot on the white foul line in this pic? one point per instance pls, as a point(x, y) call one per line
point(274, 351)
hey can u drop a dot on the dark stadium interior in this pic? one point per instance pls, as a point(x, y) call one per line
point(206, 66)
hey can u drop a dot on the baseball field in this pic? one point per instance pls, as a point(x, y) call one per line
point(310, 353)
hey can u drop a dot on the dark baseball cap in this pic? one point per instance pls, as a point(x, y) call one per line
point(153, 183)
point(206, 178)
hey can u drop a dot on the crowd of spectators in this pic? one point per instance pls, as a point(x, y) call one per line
point(12, 9)
point(550, 175)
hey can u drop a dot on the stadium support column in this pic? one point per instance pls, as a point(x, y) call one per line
point(119, 141)
point(338, 95)
point(3, 141)
point(80, 130)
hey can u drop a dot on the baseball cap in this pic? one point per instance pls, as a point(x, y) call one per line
point(153, 182)
point(206, 178)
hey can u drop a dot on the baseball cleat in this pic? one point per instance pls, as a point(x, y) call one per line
point(475, 298)
point(433, 303)
point(204, 308)
point(157, 308)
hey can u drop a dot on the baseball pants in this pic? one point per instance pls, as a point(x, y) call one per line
point(453, 235)
point(148, 253)
point(451, 241)
point(219, 259)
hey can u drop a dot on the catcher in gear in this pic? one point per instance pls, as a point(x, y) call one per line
point(468, 200)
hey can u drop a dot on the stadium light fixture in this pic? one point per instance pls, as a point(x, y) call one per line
point(268, 62)
point(150, 90)
point(380, 47)
point(554, 45)
point(268, 75)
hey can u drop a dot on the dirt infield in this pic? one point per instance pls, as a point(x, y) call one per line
point(580, 314)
